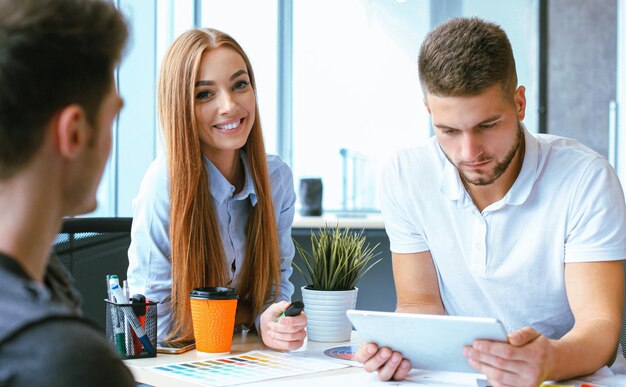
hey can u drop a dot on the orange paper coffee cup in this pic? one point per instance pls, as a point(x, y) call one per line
point(213, 312)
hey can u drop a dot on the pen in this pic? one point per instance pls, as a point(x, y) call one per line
point(294, 309)
point(118, 332)
point(109, 289)
point(131, 348)
point(130, 316)
point(128, 337)
point(138, 302)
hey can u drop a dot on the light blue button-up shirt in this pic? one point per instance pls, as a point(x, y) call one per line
point(150, 267)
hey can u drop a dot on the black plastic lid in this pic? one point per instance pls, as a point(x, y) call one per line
point(215, 293)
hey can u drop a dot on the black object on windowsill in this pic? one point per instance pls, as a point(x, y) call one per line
point(311, 193)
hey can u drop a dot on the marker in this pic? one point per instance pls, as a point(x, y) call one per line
point(130, 316)
point(118, 331)
point(109, 289)
point(138, 302)
point(125, 332)
point(128, 337)
point(133, 346)
point(126, 290)
point(294, 309)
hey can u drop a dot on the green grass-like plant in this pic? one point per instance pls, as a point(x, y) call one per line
point(338, 259)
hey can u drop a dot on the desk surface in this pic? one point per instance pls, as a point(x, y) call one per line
point(345, 376)
point(241, 343)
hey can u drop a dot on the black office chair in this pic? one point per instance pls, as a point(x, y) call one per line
point(91, 248)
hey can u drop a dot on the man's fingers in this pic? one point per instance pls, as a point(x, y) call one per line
point(507, 365)
point(389, 364)
point(378, 360)
point(496, 377)
point(365, 352)
point(388, 370)
point(492, 359)
point(504, 350)
point(523, 336)
point(403, 370)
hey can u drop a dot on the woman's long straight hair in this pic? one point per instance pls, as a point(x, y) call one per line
point(197, 254)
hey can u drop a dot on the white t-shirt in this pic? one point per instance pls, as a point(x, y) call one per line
point(507, 262)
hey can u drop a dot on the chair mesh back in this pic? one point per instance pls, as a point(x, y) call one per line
point(90, 256)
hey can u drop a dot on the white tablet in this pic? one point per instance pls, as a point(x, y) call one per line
point(430, 342)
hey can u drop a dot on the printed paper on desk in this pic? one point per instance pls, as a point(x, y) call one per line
point(443, 378)
point(604, 377)
point(357, 377)
point(343, 354)
point(244, 368)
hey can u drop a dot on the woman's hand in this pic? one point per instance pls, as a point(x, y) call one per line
point(287, 333)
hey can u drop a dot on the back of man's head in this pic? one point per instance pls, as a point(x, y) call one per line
point(52, 53)
point(465, 56)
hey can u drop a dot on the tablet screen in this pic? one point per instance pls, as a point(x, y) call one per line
point(431, 342)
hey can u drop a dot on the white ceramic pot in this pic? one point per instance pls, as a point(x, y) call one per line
point(326, 313)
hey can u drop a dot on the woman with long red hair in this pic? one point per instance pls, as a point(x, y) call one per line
point(215, 210)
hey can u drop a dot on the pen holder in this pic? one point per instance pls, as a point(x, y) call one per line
point(121, 333)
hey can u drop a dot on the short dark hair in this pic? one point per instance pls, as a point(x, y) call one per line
point(52, 53)
point(464, 56)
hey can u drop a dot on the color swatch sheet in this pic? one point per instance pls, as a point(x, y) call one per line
point(248, 367)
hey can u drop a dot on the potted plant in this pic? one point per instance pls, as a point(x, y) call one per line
point(338, 259)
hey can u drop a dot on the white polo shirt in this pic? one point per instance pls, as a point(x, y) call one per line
point(507, 262)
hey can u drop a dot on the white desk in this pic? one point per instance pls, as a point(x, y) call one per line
point(241, 343)
point(354, 376)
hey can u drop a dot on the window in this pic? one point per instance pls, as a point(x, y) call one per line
point(356, 93)
point(345, 73)
point(621, 93)
point(254, 26)
point(136, 137)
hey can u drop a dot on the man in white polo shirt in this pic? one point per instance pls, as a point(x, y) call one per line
point(490, 220)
